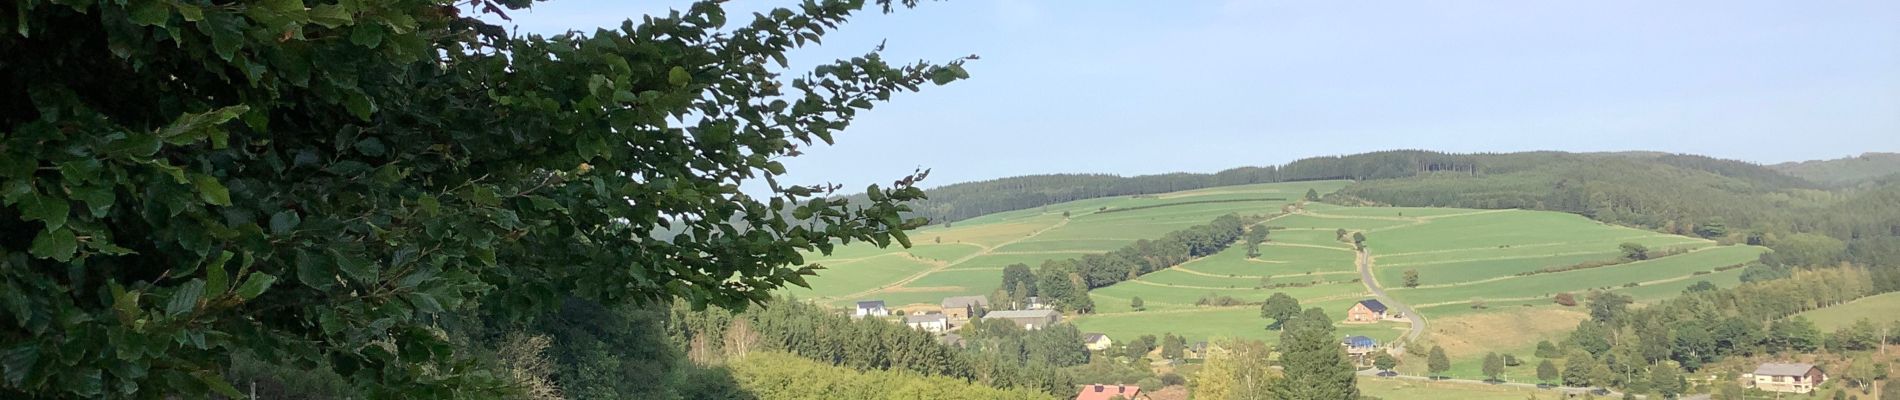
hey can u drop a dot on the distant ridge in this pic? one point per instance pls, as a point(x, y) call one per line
point(1845, 171)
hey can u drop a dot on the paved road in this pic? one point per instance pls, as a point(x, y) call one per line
point(1365, 276)
point(1604, 393)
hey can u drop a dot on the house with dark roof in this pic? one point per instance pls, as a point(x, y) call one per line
point(1029, 320)
point(963, 307)
point(871, 308)
point(1197, 350)
point(1787, 378)
point(1106, 392)
point(1359, 348)
point(1365, 312)
point(1096, 341)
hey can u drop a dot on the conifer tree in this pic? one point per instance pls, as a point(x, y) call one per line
point(1315, 368)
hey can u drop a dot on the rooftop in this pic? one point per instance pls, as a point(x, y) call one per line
point(1358, 341)
point(1020, 314)
point(1374, 305)
point(1105, 392)
point(1092, 336)
point(1775, 369)
point(965, 301)
point(921, 318)
point(871, 304)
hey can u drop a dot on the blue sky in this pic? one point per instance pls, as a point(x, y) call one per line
point(1130, 87)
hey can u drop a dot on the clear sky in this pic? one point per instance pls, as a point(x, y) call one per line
point(1139, 87)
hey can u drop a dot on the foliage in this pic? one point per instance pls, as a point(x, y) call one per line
point(187, 180)
point(1173, 347)
point(1065, 282)
point(1436, 362)
point(1493, 366)
point(772, 375)
point(1135, 303)
point(1385, 361)
point(997, 353)
point(1315, 368)
point(1846, 171)
point(1634, 251)
point(1546, 371)
point(1411, 278)
point(1546, 349)
point(1565, 299)
point(1279, 307)
point(1577, 367)
point(1256, 236)
point(1236, 370)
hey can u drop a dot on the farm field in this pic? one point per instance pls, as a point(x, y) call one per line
point(1882, 309)
point(1462, 255)
point(1386, 388)
point(966, 257)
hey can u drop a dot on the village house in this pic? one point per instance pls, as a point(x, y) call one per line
point(1096, 341)
point(964, 307)
point(932, 323)
point(1366, 312)
point(1360, 349)
point(1029, 320)
point(1106, 392)
point(1786, 378)
point(871, 308)
point(1197, 350)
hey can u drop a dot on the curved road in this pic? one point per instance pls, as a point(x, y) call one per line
point(1365, 276)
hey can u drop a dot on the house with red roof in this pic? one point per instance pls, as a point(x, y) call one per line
point(1107, 392)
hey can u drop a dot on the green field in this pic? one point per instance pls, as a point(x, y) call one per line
point(967, 257)
point(1881, 309)
point(1461, 255)
point(1420, 390)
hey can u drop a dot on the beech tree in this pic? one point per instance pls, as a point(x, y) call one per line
point(315, 183)
point(1279, 307)
point(1436, 362)
point(1385, 362)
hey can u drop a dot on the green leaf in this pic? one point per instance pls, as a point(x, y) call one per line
point(126, 303)
point(217, 384)
point(211, 191)
point(371, 147)
point(255, 285)
point(678, 76)
point(185, 299)
point(359, 105)
point(133, 145)
point(45, 208)
point(330, 15)
point(98, 199)
point(315, 270)
point(57, 244)
point(357, 268)
point(283, 222)
point(149, 12)
point(216, 279)
point(191, 12)
point(424, 302)
point(367, 35)
point(19, 361)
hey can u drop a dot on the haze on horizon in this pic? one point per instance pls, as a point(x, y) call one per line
point(1150, 87)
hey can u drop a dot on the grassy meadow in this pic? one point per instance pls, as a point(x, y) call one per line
point(1882, 309)
point(967, 257)
point(1480, 285)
